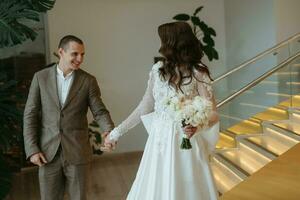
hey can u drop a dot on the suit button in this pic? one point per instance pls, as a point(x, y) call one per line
point(61, 115)
point(61, 131)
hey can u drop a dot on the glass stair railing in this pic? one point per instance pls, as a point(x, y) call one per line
point(259, 109)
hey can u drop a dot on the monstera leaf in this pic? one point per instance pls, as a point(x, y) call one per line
point(41, 5)
point(13, 16)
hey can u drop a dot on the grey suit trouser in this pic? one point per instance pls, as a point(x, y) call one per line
point(58, 175)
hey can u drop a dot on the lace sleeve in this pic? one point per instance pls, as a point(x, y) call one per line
point(204, 88)
point(145, 106)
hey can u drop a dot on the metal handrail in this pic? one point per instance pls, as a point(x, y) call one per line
point(258, 80)
point(256, 57)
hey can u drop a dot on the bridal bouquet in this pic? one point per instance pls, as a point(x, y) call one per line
point(195, 112)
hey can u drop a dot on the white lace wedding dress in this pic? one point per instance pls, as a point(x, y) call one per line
point(167, 172)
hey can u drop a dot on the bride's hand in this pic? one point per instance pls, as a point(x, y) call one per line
point(189, 130)
point(109, 145)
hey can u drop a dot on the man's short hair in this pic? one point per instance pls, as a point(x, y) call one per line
point(63, 43)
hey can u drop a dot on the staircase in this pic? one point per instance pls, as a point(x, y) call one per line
point(261, 119)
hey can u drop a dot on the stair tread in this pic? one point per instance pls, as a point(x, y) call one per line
point(246, 159)
point(294, 102)
point(254, 152)
point(246, 127)
point(276, 181)
point(272, 114)
point(291, 126)
point(225, 141)
point(270, 143)
point(224, 178)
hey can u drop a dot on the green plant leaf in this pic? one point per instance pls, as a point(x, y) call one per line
point(182, 17)
point(215, 54)
point(208, 40)
point(198, 10)
point(195, 21)
point(208, 52)
point(42, 5)
point(8, 36)
point(98, 138)
point(203, 32)
point(203, 26)
point(211, 31)
point(13, 32)
point(13, 14)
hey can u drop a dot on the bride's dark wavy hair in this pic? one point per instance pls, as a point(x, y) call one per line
point(180, 48)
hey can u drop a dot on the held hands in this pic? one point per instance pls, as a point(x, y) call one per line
point(189, 130)
point(38, 159)
point(109, 145)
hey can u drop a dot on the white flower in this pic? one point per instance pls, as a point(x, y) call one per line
point(194, 111)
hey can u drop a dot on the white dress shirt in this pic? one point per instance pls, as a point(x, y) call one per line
point(63, 84)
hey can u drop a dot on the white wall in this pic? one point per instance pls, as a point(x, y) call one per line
point(121, 40)
point(253, 26)
point(287, 18)
point(250, 29)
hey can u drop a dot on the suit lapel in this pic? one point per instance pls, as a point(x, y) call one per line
point(75, 87)
point(52, 85)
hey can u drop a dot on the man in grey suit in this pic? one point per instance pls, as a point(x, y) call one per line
point(55, 123)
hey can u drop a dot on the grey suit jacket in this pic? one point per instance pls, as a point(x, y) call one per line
point(47, 124)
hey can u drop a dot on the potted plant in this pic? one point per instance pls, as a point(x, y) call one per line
point(10, 130)
point(14, 15)
point(204, 32)
point(95, 138)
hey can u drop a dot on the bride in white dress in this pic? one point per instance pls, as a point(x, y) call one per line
point(166, 171)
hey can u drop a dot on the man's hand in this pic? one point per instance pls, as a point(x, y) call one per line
point(109, 145)
point(38, 159)
point(190, 130)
